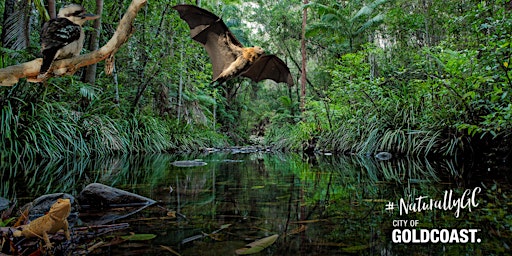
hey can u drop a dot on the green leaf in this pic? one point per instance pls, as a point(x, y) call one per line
point(139, 237)
point(4, 223)
point(257, 245)
point(225, 226)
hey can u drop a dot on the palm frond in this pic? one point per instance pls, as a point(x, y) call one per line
point(367, 10)
point(370, 23)
point(16, 28)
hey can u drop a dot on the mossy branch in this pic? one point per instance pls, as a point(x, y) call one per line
point(10, 75)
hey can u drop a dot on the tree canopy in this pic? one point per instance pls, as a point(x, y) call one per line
point(409, 77)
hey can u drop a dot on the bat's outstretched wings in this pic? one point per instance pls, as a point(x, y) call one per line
point(269, 67)
point(226, 52)
point(203, 22)
point(209, 30)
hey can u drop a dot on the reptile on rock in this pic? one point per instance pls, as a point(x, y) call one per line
point(55, 220)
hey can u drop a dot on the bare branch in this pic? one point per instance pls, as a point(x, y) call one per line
point(10, 75)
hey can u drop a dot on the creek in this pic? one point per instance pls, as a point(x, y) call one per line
point(318, 205)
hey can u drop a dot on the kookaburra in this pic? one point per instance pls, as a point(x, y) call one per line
point(63, 37)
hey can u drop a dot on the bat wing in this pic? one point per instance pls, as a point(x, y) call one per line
point(210, 31)
point(269, 67)
point(56, 34)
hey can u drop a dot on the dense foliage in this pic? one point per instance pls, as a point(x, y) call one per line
point(409, 77)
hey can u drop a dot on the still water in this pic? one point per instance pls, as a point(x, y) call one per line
point(318, 205)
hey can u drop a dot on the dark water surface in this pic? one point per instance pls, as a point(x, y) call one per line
point(318, 205)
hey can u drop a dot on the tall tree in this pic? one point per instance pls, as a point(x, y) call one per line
point(52, 9)
point(90, 72)
point(303, 77)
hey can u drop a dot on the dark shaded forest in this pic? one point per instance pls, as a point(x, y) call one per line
point(415, 78)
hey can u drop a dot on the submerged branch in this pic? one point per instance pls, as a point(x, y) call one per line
point(10, 75)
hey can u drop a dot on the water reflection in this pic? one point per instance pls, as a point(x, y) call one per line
point(320, 205)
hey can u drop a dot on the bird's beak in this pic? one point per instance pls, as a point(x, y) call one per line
point(88, 16)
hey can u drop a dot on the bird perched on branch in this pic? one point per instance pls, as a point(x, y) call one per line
point(63, 37)
point(228, 56)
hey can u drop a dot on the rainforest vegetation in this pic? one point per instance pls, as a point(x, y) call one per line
point(417, 78)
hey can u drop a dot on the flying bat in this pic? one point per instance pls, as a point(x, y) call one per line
point(228, 56)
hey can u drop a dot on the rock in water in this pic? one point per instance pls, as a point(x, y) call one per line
point(41, 205)
point(383, 156)
point(99, 195)
point(188, 163)
point(4, 203)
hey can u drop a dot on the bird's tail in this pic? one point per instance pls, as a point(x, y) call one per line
point(48, 56)
point(217, 83)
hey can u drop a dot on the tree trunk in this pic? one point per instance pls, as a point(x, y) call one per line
point(180, 88)
point(303, 69)
point(52, 9)
point(116, 84)
point(90, 72)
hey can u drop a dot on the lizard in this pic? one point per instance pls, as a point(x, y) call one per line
point(55, 220)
